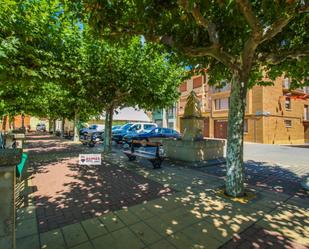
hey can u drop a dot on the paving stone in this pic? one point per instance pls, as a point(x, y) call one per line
point(179, 221)
point(104, 242)
point(74, 234)
point(145, 233)
point(86, 245)
point(181, 241)
point(201, 237)
point(112, 222)
point(162, 244)
point(127, 217)
point(160, 226)
point(213, 229)
point(52, 239)
point(25, 213)
point(291, 224)
point(141, 211)
point(125, 238)
point(26, 227)
point(31, 242)
point(94, 227)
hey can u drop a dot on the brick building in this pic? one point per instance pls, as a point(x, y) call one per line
point(16, 122)
point(274, 114)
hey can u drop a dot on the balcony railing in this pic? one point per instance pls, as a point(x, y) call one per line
point(215, 89)
point(286, 84)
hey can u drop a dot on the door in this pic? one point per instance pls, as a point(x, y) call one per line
point(220, 129)
point(206, 127)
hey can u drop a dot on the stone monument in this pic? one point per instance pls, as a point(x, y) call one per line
point(193, 147)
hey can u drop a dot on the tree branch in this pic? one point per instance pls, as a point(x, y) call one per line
point(276, 27)
point(201, 21)
point(213, 51)
point(277, 58)
point(246, 9)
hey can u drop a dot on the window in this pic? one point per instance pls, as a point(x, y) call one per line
point(224, 86)
point(288, 104)
point(222, 104)
point(246, 126)
point(306, 113)
point(167, 131)
point(156, 131)
point(198, 82)
point(136, 127)
point(288, 123)
point(148, 126)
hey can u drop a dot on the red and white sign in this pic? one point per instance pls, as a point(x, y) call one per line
point(90, 159)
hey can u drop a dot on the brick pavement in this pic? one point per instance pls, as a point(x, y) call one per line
point(67, 192)
point(194, 216)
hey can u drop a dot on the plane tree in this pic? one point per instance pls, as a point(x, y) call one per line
point(133, 73)
point(239, 40)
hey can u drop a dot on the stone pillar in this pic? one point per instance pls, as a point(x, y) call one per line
point(9, 158)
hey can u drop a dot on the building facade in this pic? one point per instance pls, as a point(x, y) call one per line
point(166, 118)
point(274, 114)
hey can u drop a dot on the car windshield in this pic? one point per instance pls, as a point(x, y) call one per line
point(92, 127)
point(125, 127)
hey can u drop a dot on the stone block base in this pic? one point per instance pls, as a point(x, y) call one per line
point(194, 151)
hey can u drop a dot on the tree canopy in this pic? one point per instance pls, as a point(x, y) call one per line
point(133, 74)
point(50, 64)
point(240, 40)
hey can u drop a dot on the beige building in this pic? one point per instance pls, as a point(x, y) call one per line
point(274, 114)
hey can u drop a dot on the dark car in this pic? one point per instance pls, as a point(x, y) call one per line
point(154, 133)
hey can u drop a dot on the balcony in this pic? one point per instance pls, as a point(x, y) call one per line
point(224, 87)
point(286, 84)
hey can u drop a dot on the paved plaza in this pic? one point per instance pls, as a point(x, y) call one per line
point(125, 205)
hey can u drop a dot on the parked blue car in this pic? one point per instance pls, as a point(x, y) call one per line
point(154, 133)
point(118, 134)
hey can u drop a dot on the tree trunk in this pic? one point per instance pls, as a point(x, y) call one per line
point(11, 122)
point(234, 155)
point(108, 130)
point(50, 125)
point(62, 127)
point(76, 131)
point(23, 121)
point(4, 120)
point(54, 126)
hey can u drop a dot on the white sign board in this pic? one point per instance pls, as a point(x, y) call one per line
point(90, 159)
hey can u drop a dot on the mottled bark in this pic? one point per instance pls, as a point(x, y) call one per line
point(234, 154)
point(76, 131)
point(108, 130)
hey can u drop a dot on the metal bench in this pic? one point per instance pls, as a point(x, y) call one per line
point(91, 139)
point(154, 157)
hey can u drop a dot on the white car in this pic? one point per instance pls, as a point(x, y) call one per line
point(92, 128)
point(141, 127)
